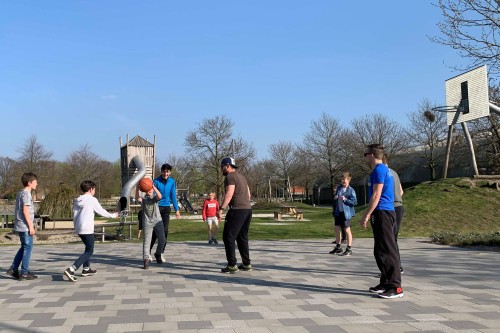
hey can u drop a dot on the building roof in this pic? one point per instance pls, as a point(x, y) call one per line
point(138, 141)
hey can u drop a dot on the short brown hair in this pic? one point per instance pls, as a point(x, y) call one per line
point(28, 177)
point(376, 149)
point(346, 175)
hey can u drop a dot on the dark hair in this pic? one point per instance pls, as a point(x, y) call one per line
point(166, 166)
point(385, 159)
point(28, 177)
point(87, 185)
point(377, 150)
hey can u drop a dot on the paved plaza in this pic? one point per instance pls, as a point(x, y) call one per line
point(296, 286)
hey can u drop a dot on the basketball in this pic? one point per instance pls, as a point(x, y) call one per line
point(145, 184)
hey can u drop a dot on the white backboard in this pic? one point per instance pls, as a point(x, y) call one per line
point(469, 91)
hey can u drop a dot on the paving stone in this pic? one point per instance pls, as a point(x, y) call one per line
point(296, 286)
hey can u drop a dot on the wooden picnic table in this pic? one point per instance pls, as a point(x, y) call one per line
point(289, 210)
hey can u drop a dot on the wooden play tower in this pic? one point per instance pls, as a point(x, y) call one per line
point(141, 147)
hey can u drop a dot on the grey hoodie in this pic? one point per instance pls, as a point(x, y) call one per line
point(84, 208)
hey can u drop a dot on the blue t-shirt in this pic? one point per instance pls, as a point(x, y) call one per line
point(382, 175)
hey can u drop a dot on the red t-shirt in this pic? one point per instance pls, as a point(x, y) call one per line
point(210, 208)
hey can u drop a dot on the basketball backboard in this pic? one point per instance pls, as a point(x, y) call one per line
point(469, 93)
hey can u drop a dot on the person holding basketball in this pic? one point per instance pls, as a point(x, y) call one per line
point(152, 221)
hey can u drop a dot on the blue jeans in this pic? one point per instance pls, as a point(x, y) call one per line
point(24, 253)
point(84, 259)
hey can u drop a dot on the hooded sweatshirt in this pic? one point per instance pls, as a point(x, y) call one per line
point(84, 208)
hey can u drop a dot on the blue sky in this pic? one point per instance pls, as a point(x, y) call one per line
point(90, 72)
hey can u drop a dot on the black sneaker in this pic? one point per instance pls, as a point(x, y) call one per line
point(401, 270)
point(245, 267)
point(27, 276)
point(229, 269)
point(347, 252)
point(392, 293)
point(13, 273)
point(215, 241)
point(377, 289)
point(210, 242)
point(158, 258)
point(146, 264)
point(70, 275)
point(336, 250)
point(88, 272)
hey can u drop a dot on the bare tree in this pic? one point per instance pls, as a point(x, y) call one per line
point(285, 157)
point(211, 141)
point(428, 131)
point(472, 27)
point(8, 183)
point(32, 153)
point(322, 143)
point(84, 164)
point(376, 129)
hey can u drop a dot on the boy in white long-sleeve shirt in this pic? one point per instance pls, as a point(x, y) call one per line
point(84, 208)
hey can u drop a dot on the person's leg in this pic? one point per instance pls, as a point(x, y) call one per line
point(19, 255)
point(27, 245)
point(388, 250)
point(348, 233)
point(399, 217)
point(209, 230)
point(242, 238)
point(84, 258)
point(165, 217)
point(160, 232)
point(215, 229)
point(231, 229)
point(338, 235)
point(146, 242)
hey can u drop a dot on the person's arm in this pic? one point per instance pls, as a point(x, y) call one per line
point(158, 193)
point(27, 216)
point(228, 197)
point(401, 189)
point(351, 200)
point(204, 211)
point(377, 193)
point(173, 198)
point(103, 212)
point(137, 195)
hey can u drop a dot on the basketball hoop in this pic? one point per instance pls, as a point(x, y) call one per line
point(445, 108)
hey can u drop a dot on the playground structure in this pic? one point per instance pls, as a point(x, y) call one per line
point(467, 98)
point(182, 197)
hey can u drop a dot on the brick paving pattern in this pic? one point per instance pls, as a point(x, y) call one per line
point(296, 286)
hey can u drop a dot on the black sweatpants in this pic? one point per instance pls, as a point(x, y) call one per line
point(385, 249)
point(236, 228)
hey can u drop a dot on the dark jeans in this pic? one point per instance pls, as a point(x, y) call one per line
point(399, 217)
point(236, 229)
point(165, 217)
point(84, 259)
point(385, 249)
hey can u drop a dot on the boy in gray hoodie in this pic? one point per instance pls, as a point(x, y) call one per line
point(84, 208)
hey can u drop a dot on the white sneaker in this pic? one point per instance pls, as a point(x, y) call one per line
point(150, 258)
point(163, 258)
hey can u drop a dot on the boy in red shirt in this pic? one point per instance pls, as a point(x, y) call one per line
point(211, 215)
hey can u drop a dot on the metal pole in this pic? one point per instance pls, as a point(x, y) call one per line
point(448, 148)
point(471, 147)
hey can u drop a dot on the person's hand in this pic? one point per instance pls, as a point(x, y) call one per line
point(364, 221)
point(139, 200)
point(178, 214)
point(32, 231)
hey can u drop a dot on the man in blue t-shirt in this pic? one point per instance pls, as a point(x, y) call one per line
point(381, 209)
